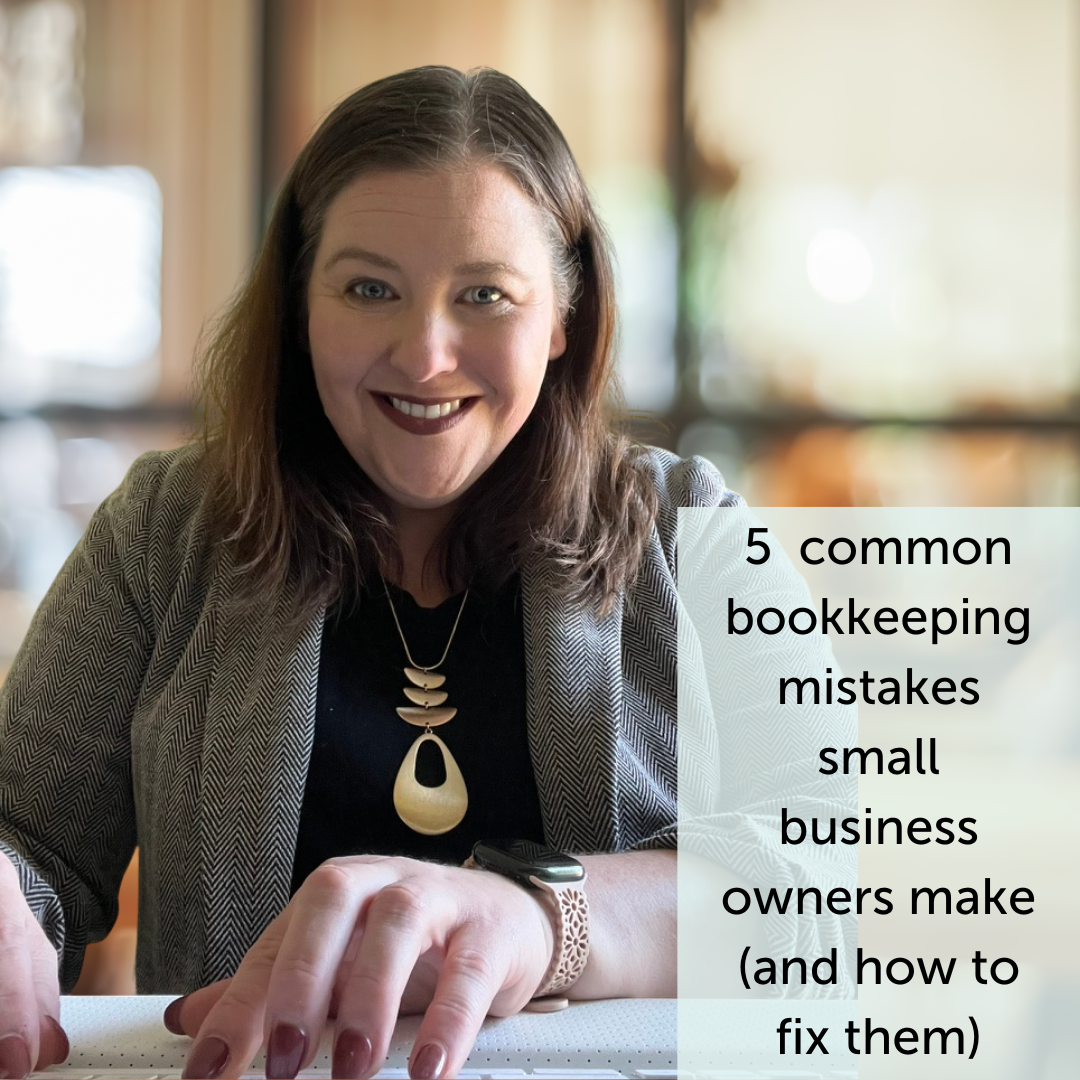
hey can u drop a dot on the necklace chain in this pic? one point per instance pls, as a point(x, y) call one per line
point(401, 634)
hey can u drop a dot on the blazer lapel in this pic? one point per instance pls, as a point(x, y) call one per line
point(257, 746)
point(574, 700)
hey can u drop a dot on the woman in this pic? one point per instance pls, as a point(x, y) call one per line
point(405, 465)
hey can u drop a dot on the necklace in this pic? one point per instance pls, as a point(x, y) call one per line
point(428, 810)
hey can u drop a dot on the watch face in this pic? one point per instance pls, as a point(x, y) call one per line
point(524, 859)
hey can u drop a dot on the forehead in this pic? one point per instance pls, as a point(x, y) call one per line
point(469, 211)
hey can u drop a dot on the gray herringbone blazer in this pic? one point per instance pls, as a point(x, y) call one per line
point(143, 710)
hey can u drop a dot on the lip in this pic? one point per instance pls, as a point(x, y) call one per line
point(419, 425)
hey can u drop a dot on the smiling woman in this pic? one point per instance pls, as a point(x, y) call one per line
point(407, 509)
point(396, 226)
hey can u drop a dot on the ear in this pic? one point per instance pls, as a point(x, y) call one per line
point(558, 340)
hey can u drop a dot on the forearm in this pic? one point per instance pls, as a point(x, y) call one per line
point(633, 902)
point(632, 917)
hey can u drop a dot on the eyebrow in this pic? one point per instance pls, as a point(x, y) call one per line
point(373, 258)
point(360, 255)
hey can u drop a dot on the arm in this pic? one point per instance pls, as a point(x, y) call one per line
point(634, 901)
point(632, 920)
point(744, 756)
point(367, 937)
point(741, 755)
point(67, 823)
point(67, 820)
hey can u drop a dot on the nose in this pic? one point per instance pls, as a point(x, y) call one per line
point(426, 347)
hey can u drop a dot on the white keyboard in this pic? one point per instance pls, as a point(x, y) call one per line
point(123, 1038)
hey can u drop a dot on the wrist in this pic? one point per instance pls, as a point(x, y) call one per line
point(548, 922)
point(556, 882)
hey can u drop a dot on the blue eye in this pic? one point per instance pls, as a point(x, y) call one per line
point(371, 290)
point(484, 294)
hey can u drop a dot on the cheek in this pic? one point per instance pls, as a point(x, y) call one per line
point(337, 356)
point(524, 363)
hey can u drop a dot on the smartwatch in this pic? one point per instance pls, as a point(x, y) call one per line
point(560, 879)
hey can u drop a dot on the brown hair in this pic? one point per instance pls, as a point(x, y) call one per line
point(296, 508)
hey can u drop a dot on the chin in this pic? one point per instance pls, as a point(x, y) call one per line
point(418, 491)
point(429, 499)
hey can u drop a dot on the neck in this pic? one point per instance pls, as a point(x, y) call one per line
point(417, 534)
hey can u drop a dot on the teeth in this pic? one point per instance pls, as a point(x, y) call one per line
point(427, 412)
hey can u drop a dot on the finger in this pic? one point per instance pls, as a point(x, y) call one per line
point(396, 931)
point(185, 1015)
point(472, 975)
point(53, 1045)
point(19, 1010)
point(327, 909)
point(343, 968)
point(232, 1031)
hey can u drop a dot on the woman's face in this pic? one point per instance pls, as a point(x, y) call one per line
point(431, 321)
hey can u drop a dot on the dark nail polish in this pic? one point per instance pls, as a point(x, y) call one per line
point(352, 1055)
point(284, 1052)
point(14, 1058)
point(207, 1060)
point(171, 1019)
point(63, 1047)
point(428, 1063)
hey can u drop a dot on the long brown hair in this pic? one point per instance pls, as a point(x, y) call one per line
point(298, 511)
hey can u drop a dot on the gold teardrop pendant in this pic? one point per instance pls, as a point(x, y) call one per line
point(430, 810)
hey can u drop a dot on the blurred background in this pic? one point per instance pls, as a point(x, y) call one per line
point(846, 229)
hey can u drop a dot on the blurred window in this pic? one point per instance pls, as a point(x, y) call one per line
point(80, 271)
point(882, 226)
point(41, 59)
point(899, 240)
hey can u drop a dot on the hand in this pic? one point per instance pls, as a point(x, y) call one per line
point(364, 938)
point(30, 1033)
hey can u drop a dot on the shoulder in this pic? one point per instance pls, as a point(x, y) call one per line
point(163, 472)
point(682, 482)
point(685, 481)
point(157, 518)
point(161, 489)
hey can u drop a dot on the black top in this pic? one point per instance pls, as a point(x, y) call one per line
point(360, 741)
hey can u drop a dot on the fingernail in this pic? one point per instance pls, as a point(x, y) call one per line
point(61, 1037)
point(171, 1018)
point(14, 1058)
point(352, 1055)
point(428, 1063)
point(207, 1060)
point(284, 1052)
